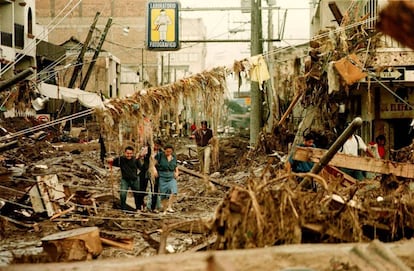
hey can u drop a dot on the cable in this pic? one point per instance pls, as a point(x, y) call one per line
point(324, 35)
point(40, 37)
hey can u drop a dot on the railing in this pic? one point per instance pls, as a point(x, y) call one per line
point(19, 36)
point(6, 39)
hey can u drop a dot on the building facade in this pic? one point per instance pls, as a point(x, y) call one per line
point(17, 39)
point(125, 39)
point(384, 96)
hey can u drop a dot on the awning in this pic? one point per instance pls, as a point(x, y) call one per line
point(50, 51)
point(70, 95)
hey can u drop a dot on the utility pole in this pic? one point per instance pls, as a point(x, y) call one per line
point(255, 93)
point(96, 54)
point(79, 60)
point(162, 69)
point(272, 98)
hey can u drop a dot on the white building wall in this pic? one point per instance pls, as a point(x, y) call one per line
point(12, 13)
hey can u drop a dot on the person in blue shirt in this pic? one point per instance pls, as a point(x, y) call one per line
point(301, 166)
point(167, 172)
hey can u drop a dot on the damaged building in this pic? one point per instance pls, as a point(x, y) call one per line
point(350, 69)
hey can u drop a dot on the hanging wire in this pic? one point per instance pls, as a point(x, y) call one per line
point(40, 37)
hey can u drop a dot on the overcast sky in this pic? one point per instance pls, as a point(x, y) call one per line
point(220, 24)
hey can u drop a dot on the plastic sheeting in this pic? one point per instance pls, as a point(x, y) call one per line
point(70, 95)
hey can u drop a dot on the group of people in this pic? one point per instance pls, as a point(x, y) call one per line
point(136, 171)
point(352, 146)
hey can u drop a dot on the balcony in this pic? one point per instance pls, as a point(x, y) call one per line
point(19, 36)
point(6, 39)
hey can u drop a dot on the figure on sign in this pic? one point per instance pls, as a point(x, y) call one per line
point(161, 24)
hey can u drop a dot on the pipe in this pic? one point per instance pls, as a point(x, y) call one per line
point(339, 142)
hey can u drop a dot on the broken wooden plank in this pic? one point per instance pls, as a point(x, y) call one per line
point(33, 226)
point(204, 245)
point(73, 245)
point(336, 12)
point(368, 164)
point(198, 226)
point(290, 108)
point(201, 176)
point(46, 193)
point(331, 173)
point(115, 243)
point(62, 213)
point(8, 145)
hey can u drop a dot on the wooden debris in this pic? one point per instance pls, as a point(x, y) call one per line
point(359, 163)
point(117, 239)
point(334, 175)
point(46, 193)
point(205, 245)
point(166, 229)
point(201, 176)
point(62, 213)
point(350, 68)
point(73, 245)
point(127, 245)
point(33, 226)
point(198, 226)
point(308, 256)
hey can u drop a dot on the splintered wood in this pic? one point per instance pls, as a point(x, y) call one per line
point(397, 20)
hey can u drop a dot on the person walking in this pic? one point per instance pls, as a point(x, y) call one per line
point(379, 147)
point(167, 172)
point(155, 187)
point(301, 166)
point(203, 137)
point(145, 157)
point(352, 146)
point(129, 166)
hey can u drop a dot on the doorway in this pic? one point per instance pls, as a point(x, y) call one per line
point(402, 133)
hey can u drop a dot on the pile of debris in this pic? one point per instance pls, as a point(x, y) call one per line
point(278, 211)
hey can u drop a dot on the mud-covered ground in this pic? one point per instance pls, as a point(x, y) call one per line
point(79, 168)
point(252, 203)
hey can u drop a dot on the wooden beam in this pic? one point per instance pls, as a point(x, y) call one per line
point(204, 177)
point(336, 12)
point(381, 166)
